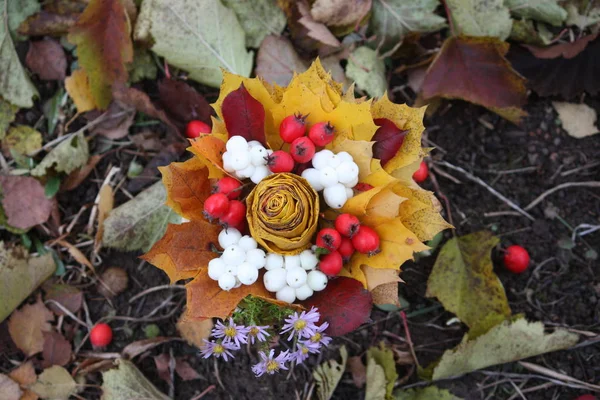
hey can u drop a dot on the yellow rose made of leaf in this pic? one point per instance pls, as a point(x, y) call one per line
point(283, 213)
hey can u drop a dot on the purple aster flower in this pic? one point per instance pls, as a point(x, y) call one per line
point(258, 332)
point(304, 349)
point(303, 324)
point(231, 332)
point(270, 365)
point(217, 349)
point(318, 337)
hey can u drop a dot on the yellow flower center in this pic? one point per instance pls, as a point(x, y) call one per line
point(316, 337)
point(304, 350)
point(253, 331)
point(230, 332)
point(272, 366)
point(300, 324)
point(219, 349)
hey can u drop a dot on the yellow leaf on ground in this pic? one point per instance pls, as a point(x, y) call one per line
point(78, 87)
point(27, 324)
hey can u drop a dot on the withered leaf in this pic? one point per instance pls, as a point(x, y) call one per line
point(315, 30)
point(116, 121)
point(166, 156)
point(26, 327)
point(57, 350)
point(185, 371)
point(47, 59)
point(47, 23)
point(277, 60)
point(24, 201)
point(182, 102)
point(195, 331)
point(67, 296)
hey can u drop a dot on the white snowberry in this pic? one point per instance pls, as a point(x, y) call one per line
point(240, 160)
point(328, 177)
point(296, 277)
point(254, 143)
point(247, 243)
point(247, 273)
point(227, 282)
point(246, 172)
point(227, 162)
point(292, 261)
point(321, 159)
point(313, 176)
point(274, 261)
point(347, 172)
point(229, 236)
point(352, 183)
point(233, 255)
point(334, 161)
point(304, 292)
point(349, 193)
point(287, 294)
point(260, 173)
point(316, 280)
point(256, 257)
point(237, 144)
point(274, 279)
point(216, 268)
point(335, 196)
point(231, 269)
point(257, 155)
point(344, 156)
point(308, 260)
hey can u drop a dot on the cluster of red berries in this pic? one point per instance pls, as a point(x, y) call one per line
point(223, 205)
point(347, 237)
point(292, 130)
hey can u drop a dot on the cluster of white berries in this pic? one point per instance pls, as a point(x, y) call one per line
point(240, 261)
point(246, 159)
point(293, 277)
point(335, 175)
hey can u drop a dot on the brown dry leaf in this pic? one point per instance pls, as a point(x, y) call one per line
point(147, 140)
point(48, 23)
point(106, 202)
point(134, 349)
point(76, 254)
point(386, 294)
point(162, 362)
point(78, 87)
point(47, 59)
point(167, 155)
point(68, 296)
point(475, 70)
point(316, 30)
point(195, 331)
point(340, 12)
point(26, 327)
point(57, 349)
point(9, 389)
point(25, 375)
point(76, 177)
point(112, 282)
point(277, 60)
point(24, 201)
point(183, 103)
point(116, 121)
point(357, 368)
point(185, 371)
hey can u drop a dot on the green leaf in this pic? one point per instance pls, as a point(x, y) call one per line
point(583, 17)
point(480, 18)
point(23, 139)
point(20, 275)
point(376, 382)
point(143, 66)
point(368, 71)
point(140, 222)
point(52, 186)
point(69, 155)
point(52, 107)
point(464, 281)
point(524, 31)
point(428, 393)
point(259, 18)
point(328, 375)
point(394, 19)
point(540, 10)
point(16, 86)
point(7, 115)
point(54, 383)
point(384, 357)
point(506, 342)
point(127, 382)
point(199, 36)
point(19, 11)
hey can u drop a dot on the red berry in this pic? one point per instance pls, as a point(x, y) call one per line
point(216, 205)
point(280, 161)
point(302, 149)
point(321, 133)
point(346, 249)
point(235, 215)
point(242, 226)
point(516, 259)
point(363, 187)
point(331, 264)
point(101, 335)
point(347, 225)
point(329, 238)
point(422, 173)
point(366, 241)
point(195, 128)
point(228, 186)
point(292, 127)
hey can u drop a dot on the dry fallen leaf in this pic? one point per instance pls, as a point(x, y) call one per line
point(183, 103)
point(358, 370)
point(195, 331)
point(340, 12)
point(579, 120)
point(185, 371)
point(106, 201)
point(67, 296)
point(134, 349)
point(316, 30)
point(78, 87)
point(76, 177)
point(277, 60)
point(26, 327)
point(9, 389)
point(47, 59)
point(162, 363)
point(76, 254)
point(116, 121)
point(25, 376)
point(57, 349)
point(24, 201)
point(113, 281)
point(55, 383)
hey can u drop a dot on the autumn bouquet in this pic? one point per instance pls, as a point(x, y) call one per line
point(300, 198)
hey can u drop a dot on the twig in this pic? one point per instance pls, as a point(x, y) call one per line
point(408, 339)
point(502, 214)
point(155, 289)
point(560, 187)
point(90, 225)
point(446, 175)
point(518, 390)
point(67, 312)
point(204, 392)
point(556, 375)
point(546, 385)
point(490, 189)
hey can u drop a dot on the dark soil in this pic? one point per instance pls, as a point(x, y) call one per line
point(564, 291)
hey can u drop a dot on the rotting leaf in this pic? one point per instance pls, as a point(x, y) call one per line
point(358, 370)
point(244, 115)
point(483, 18)
point(166, 156)
point(26, 327)
point(69, 155)
point(23, 139)
point(143, 66)
point(57, 349)
point(67, 296)
point(506, 342)
point(315, 30)
point(127, 382)
point(134, 349)
point(76, 177)
point(579, 120)
point(185, 371)
point(199, 36)
point(24, 201)
point(384, 357)
point(475, 70)
point(345, 305)
point(464, 281)
point(340, 13)
point(47, 59)
point(140, 222)
point(7, 115)
point(258, 18)
point(55, 383)
point(115, 122)
point(329, 374)
point(277, 60)
point(427, 393)
point(367, 70)
point(183, 103)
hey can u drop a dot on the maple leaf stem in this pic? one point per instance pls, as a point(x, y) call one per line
point(449, 15)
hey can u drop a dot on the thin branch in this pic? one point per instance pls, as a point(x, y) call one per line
point(593, 184)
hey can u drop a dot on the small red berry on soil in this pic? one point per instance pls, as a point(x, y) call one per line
point(235, 215)
point(280, 161)
point(362, 187)
point(216, 205)
point(196, 128)
point(347, 225)
point(292, 127)
point(516, 259)
point(302, 149)
point(346, 249)
point(228, 186)
point(422, 173)
point(331, 264)
point(329, 238)
point(321, 133)
point(366, 241)
point(101, 335)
